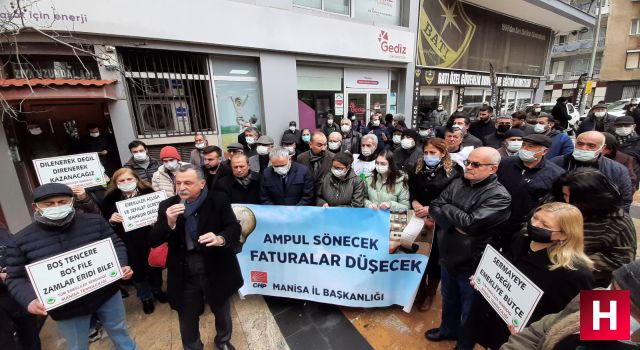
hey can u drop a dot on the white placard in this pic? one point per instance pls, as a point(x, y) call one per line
point(82, 170)
point(140, 211)
point(66, 277)
point(509, 291)
point(339, 104)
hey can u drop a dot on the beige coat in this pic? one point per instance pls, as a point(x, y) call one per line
point(161, 181)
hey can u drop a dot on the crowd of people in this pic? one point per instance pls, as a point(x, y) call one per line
point(558, 211)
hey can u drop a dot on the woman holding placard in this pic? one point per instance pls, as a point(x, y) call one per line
point(551, 254)
point(125, 184)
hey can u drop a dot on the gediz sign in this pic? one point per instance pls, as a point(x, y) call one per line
point(390, 47)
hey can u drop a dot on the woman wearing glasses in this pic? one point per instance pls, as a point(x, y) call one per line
point(433, 172)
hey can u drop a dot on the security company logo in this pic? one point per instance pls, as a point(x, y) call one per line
point(259, 279)
point(444, 34)
point(428, 76)
point(395, 49)
point(604, 315)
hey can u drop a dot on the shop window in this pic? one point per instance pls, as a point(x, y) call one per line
point(633, 60)
point(342, 7)
point(169, 92)
point(635, 27)
point(630, 91)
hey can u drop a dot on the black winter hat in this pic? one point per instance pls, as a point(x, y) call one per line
point(51, 190)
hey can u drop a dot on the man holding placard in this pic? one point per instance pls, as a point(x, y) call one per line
point(59, 230)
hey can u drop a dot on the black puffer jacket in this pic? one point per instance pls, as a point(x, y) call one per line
point(38, 241)
point(466, 219)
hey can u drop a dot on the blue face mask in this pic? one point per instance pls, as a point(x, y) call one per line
point(306, 138)
point(431, 161)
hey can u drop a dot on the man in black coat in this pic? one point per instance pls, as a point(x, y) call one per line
point(213, 167)
point(528, 177)
point(318, 159)
point(58, 228)
point(494, 140)
point(202, 233)
point(141, 162)
point(286, 182)
point(484, 124)
point(560, 113)
point(467, 214)
point(410, 151)
point(103, 145)
point(243, 186)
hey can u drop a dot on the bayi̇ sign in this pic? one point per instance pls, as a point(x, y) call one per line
point(82, 170)
point(65, 277)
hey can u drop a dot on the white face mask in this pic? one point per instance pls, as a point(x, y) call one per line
point(291, 149)
point(250, 140)
point(585, 156)
point(140, 156)
point(94, 134)
point(128, 187)
point(345, 128)
point(407, 143)
point(382, 169)
point(375, 123)
point(330, 122)
point(537, 110)
point(200, 145)
point(624, 131)
point(599, 114)
point(539, 129)
point(514, 146)
point(35, 131)
point(172, 165)
point(527, 156)
point(57, 213)
point(423, 133)
point(457, 127)
point(282, 170)
point(460, 109)
point(292, 128)
point(339, 173)
point(334, 145)
point(262, 150)
point(440, 108)
point(396, 139)
point(366, 151)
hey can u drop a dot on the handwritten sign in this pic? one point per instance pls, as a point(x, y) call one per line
point(509, 291)
point(82, 170)
point(65, 277)
point(140, 211)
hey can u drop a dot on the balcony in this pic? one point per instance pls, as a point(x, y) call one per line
point(576, 47)
point(589, 6)
point(571, 76)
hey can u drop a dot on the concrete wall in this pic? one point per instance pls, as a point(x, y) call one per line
point(279, 92)
point(619, 41)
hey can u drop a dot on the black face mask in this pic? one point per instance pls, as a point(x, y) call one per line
point(539, 234)
point(503, 128)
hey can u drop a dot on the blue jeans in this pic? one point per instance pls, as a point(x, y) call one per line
point(457, 299)
point(113, 318)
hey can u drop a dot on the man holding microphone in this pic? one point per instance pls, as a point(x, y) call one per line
point(202, 233)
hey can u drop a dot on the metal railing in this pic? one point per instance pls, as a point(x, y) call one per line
point(578, 46)
point(570, 76)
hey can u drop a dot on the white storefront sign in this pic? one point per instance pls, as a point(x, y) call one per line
point(366, 79)
point(82, 170)
point(140, 211)
point(66, 277)
point(508, 291)
point(228, 23)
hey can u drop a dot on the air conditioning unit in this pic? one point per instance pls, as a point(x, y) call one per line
point(171, 117)
point(551, 76)
point(162, 87)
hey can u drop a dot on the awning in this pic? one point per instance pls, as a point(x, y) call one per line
point(57, 89)
point(555, 14)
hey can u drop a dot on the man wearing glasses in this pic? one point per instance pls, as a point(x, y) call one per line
point(467, 215)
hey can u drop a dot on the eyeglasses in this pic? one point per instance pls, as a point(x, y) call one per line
point(475, 165)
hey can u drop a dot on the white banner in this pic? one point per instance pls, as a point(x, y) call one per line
point(82, 170)
point(509, 291)
point(66, 277)
point(140, 211)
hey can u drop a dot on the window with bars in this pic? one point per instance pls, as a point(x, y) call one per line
point(169, 92)
point(630, 91)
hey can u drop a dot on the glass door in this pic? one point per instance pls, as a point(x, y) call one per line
point(378, 103)
point(446, 98)
point(358, 105)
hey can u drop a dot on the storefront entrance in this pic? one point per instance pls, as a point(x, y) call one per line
point(364, 104)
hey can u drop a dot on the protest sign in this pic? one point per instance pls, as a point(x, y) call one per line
point(82, 170)
point(65, 277)
point(311, 253)
point(140, 211)
point(509, 291)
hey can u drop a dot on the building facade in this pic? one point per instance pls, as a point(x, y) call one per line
point(162, 73)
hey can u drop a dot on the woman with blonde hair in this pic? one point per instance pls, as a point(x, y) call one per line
point(126, 184)
point(551, 254)
point(433, 172)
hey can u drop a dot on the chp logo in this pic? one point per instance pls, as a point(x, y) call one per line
point(259, 279)
point(605, 314)
point(390, 47)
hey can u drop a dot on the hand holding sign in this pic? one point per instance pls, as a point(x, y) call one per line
point(127, 272)
point(36, 308)
point(79, 192)
point(115, 218)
